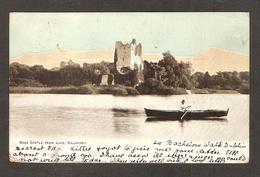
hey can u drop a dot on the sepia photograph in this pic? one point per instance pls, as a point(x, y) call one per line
point(129, 87)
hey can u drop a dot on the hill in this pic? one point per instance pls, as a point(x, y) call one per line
point(212, 59)
point(215, 59)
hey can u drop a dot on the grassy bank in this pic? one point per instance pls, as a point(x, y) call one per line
point(213, 91)
point(90, 89)
point(86, 89)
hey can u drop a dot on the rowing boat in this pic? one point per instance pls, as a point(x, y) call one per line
point(189, 114)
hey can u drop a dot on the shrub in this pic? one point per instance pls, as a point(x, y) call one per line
point(86, 89)
point(115, 90)
point(64, 90)
point(244, 89)
point(26, 83)
point(132, 91)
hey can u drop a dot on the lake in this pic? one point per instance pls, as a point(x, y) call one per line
point(58, 116)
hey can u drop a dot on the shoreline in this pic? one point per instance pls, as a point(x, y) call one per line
point(117, 90)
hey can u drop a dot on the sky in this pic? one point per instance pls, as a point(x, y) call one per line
point(181, 33)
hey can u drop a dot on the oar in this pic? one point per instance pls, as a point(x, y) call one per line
point(186, 111)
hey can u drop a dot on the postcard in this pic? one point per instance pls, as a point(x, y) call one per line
point(129, 87)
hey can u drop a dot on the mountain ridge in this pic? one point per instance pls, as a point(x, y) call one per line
point(210, 59)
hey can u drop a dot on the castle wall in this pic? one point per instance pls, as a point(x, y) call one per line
point(122, 56)
point(128, 55)
point(104, 79)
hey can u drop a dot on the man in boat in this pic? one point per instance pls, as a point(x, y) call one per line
point(184, 107)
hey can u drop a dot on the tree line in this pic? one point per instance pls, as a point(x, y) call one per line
point(167, 73)
point(68, 74)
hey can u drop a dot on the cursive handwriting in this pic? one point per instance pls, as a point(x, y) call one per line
point(169, 151)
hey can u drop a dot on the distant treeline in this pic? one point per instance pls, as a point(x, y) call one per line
point(223, 81)
point(168, 73)
point(68, 74)
point(161, 76)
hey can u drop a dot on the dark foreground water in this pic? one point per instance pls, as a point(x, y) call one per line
point(55, 116)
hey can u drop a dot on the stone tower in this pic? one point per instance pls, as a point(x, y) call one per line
point(128, 56)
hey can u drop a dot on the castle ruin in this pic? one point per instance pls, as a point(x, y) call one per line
point(128, 56)
point(128, 59)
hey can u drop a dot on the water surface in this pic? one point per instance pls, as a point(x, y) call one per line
point(48, 116)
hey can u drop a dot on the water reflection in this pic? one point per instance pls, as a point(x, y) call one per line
point(125, 120)
point(120, 112)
